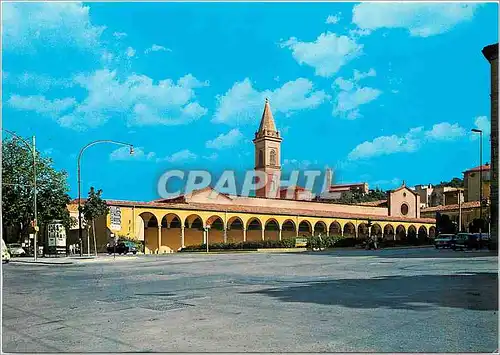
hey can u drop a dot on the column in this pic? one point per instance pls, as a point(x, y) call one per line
point(244, 234)
point(205, 236)
point(297, 231)
point(280, 232)
point(327, 232)
point(182, 236)
point(263, 231)
point(313, 231)
point(159, 239)
point(225, 235)
point(342, 231)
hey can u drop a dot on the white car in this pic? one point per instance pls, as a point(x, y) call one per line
point(5, 253)
point(15, 249)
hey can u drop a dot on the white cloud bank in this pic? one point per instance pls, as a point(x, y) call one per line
point(327, 54)
point(228, 140)
point(243, 104)
point(419, 19)
point(136, 97)
point(409, 142)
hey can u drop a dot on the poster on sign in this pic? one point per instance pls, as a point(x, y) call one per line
point(57, 235)
point(116, 218)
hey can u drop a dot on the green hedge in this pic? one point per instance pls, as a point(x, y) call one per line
point(312, 242)
point(285, 243)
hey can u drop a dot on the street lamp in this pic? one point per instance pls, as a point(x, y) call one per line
point(207, 228)
point(79, 187)
point(33, 152)
point(475, 130)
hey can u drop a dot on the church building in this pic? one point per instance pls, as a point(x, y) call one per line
point(167, 225)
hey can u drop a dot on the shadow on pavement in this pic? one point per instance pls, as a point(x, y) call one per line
point(474, 291)
point(417, 253)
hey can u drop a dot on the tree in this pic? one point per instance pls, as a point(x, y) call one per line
point(94, 208)
point(17, 191)
point(455, 182)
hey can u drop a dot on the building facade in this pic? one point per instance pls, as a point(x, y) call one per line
point(491, 54)
point(472, 182)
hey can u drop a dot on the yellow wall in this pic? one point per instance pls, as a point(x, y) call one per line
point(132, 226)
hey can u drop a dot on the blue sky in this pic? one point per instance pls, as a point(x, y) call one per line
point(381, 92)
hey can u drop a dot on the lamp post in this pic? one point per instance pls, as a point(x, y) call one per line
point(79, 187)
point(32, 149)
point(475, 130)
point(207, 228)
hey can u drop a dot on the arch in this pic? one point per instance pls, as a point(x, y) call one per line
point(389, 232)
point(422, 233)
point(150, 233)
point(216, 231)
point(193, 230)
point(288, 229)
point(271, 230)
point(400, 232)
point(272, 157)
point(363, 231)
point(432, 232)
point(254, 229)
point(335, 229)
point(349, 230)
point(305, 228)
point(320, 228)
point(171, 233)
point(235, 232)
point(376, 230)
point(412, 234)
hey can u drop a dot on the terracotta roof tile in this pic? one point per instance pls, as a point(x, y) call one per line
point(478, 168)
point(470, 204)
point(267, 210)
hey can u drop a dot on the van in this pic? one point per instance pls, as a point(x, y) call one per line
point(5, 253)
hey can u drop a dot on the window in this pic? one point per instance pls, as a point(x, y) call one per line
point(404, 209)
point(404, 194)
point(261, 158)
point(272, 157)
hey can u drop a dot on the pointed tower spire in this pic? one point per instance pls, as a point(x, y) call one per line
point(267, 126)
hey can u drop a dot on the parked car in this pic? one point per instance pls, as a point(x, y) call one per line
point(466, 241)
point(15, 249)
point(444, 241)
point(5, 253)
point(122, 247)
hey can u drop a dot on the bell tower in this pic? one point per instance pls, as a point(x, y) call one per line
point(267, 144)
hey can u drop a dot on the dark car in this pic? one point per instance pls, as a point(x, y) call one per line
point(444, 241)
point(122, 247)
point(467, 241)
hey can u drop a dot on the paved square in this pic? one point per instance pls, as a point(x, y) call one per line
point(416, 300)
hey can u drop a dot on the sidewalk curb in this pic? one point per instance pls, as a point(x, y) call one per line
point(25, 262)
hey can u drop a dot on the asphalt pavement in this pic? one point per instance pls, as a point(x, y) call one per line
point(406, 300)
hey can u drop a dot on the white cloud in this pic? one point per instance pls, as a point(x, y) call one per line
point(157, 48)
point(410, 142)
point(137, 97)
point(130, 52)
point(40, 104)
point(420, 19)
point(29, 25)
point(327, 54)
point(181, 156)
point(332, 19)
point(351, 95)
point(388, 183)
point(385, 145)
point(119, 35)
point(445, 131)
point(224, 141)
point(483, 123)
point(123, 153)
point(298, 164)
point(40, 82)
point(349, 101)
point(211, 157)
point(243, 104)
